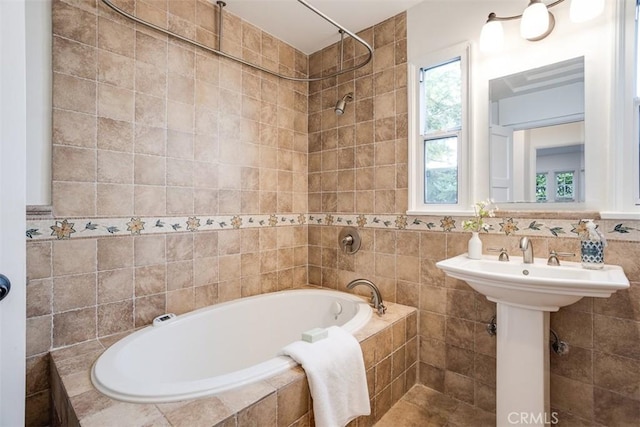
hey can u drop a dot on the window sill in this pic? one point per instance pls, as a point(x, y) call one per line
point(440, 212)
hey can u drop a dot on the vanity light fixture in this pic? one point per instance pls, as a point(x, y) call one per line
point(536, 21)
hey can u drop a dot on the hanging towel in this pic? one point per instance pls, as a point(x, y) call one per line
point(336, 375)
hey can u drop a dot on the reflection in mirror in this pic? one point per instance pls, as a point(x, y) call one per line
point(537, 134)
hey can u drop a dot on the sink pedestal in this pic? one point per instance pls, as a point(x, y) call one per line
point(522, 383)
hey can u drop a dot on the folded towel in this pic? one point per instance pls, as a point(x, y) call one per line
point(336, 374)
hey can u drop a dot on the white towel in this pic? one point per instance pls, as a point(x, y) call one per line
point(336, 375)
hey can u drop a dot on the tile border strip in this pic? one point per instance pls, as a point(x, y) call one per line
point(72, 228)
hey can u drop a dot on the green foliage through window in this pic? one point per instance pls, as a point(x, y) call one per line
point(441, 170)
point(564, 186)
point(442, 86)
point(541, 187)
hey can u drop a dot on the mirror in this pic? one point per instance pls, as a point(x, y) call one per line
point(536, 135)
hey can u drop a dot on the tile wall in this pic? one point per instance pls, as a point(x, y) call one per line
point(358, 167)
point(147, 126)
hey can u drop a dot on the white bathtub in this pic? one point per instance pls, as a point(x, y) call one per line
point(220, 347)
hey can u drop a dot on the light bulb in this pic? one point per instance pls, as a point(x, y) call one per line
point(585, 10)
point(491, 37)
point(535, 20)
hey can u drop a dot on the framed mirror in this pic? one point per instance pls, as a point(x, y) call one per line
point(536, 135)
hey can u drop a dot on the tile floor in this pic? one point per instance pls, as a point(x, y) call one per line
point(424, 407)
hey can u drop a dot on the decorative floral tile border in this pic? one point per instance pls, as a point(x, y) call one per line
point(67, 228)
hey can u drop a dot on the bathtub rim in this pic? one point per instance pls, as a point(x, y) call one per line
point(228, 381)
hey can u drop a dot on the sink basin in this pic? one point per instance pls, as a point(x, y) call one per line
point(536, 286)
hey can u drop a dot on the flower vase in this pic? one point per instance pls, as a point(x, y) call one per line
point(474, 248)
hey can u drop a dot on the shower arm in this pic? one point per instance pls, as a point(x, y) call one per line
point(249, 64)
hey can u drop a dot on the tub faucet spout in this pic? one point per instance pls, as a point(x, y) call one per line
point(527, 250)
point(376, 297)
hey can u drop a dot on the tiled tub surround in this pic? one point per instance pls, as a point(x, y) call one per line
point(89, 288)
point(389, 345)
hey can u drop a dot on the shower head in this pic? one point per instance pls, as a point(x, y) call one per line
point(340, 105)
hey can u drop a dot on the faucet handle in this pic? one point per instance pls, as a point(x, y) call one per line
point(504, 256)
point(553, 257)
point(382, 309)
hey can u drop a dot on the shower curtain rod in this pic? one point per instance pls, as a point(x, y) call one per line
point(219, 51)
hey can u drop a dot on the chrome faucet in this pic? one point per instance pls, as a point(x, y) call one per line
point(527, 250)
point(376, 297)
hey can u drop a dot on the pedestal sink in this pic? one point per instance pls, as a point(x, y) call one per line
point(525, 295)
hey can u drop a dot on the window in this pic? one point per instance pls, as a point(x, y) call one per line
point(564, 187)
point(438, 145)
point(441, 109)
point(541, 187)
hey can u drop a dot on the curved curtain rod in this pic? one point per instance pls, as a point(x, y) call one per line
point(242, 61)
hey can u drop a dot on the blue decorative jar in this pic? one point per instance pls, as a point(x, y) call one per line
point(592, 254)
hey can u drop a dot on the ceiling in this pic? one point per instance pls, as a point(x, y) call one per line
point(292, 22)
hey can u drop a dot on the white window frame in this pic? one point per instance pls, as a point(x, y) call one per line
point(416, 142)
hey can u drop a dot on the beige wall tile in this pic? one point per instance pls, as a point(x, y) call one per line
point(70, 128)
point(614, 409)
point(73, 164)
point(38, 335)
point(71, 93)
point(149, 170)
point(74, 58)
point(115, 253)
point(73, 327)
point(114, 200)
point(180, 116)
point(115, 37)
point(114, 135)
point(180, 301)
point(181, 60)
point(115, 318)
point(179, 275)
point(39, 257)
point(150, 111)
point(74, 23)
point(180, 201)
point(74, 199)
point(116, 70)
point(150, 80)
point(149, 200)
point(115, 167)
point(572, 396)
point(149, 250)
point(74, 257)
point(151, 50)
point(115, 103)
point(39, 297)
point(179, 247)
point(147, 308)
point(74, 292)
point(180, 172)
point(115, 285)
